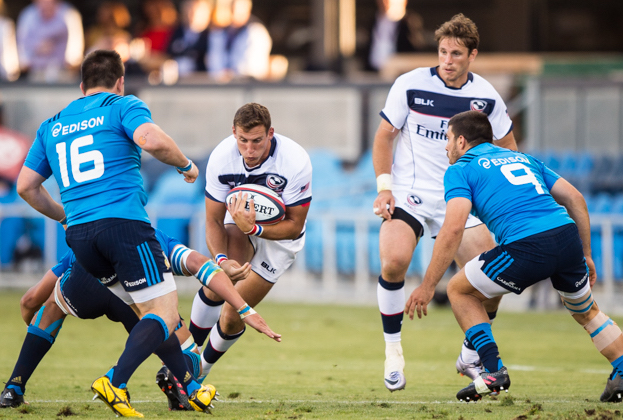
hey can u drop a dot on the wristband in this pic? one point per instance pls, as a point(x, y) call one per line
point(63, 221)
point(186, 168)
point(246, 311)
point(256, 230)
point(220, 258)
point(383, 182)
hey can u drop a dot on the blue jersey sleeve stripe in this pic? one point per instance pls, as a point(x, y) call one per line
point(212, 197)
point(386, 118)
point(300, 202)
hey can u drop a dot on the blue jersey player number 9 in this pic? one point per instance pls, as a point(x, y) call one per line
point(527, 178)
point(77, 159)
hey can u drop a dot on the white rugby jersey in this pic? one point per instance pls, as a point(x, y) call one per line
point(420, 105)
point(287, 171)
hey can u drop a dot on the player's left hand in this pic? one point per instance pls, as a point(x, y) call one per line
point(592, 273)
point(191, 175)
point(257, 322)
point(243, 214)
point(419, 300)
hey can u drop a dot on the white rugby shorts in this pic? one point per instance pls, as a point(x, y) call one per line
point(273, 258)
point(428, 207)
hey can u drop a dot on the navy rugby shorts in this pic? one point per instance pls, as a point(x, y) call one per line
point(89, 299)
point(556, 253)
point(119, 250)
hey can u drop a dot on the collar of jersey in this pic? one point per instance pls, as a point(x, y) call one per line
point(273, 146)
point(475, 151)
point(470, 78)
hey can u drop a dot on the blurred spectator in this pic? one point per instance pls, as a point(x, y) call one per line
point(160, 17)
point(395, 30)
point(239, 44)
point(189, 43)
point(50, 41)
point(9, 64)
point(110, 31)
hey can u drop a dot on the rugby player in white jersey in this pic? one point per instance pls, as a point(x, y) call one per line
point(410, 181)
point(253, 256)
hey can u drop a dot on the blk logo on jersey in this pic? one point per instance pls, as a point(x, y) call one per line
point(423, 102)
point(275, 182)
point(477, 105)
point(413, 200)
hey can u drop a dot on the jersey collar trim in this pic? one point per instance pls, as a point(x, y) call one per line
point(435, 73)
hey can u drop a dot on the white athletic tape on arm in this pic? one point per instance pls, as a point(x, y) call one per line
point(246, 311)
point(383, 182)
point(207, 271)
point(603, 330)
point(178, 260)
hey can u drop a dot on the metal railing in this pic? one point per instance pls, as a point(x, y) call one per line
point(328, 283)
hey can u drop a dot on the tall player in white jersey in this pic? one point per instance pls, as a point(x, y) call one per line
point(253, 257)
point(410, 183)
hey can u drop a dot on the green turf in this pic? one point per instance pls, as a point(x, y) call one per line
point(329, 365)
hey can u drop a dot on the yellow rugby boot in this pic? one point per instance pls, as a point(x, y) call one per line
point(201, 398)
point(116, 398)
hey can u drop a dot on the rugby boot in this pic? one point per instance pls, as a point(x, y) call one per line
point(484, 384)
point(201, 399)
point(394, 367)
point(116, 398)
point(10, 398)
point(173, 389)
point(471, 370)
point(614, 390)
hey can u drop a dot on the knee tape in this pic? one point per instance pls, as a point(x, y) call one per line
point(603, 330)
point(189, 344)
point(178, 260)
point(579, 305)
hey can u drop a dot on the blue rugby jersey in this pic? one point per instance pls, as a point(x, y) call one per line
point(509, 191)
point(89, 149)
point(64, 264)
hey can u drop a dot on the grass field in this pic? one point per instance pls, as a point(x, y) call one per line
point(329, 366)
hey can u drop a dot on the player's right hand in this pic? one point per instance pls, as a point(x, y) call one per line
point(257, 322)
point(235, 271)
point(191, 175)
point(384, 204)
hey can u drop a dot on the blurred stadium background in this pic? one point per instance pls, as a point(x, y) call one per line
point(557, 63)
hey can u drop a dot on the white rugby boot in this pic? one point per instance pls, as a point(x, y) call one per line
point(394, 367)
point(471, 370)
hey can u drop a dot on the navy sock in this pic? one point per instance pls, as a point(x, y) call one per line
point(36, 345)
point(144, 339)
point(481, 337)
point(468, 343)
point(171, 354)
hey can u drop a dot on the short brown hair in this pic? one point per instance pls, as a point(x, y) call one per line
point(251, 115)
point(474, 126)
point(463, 29)
point(101, 68)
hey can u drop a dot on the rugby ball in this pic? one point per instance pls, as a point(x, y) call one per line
point(269, 207)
